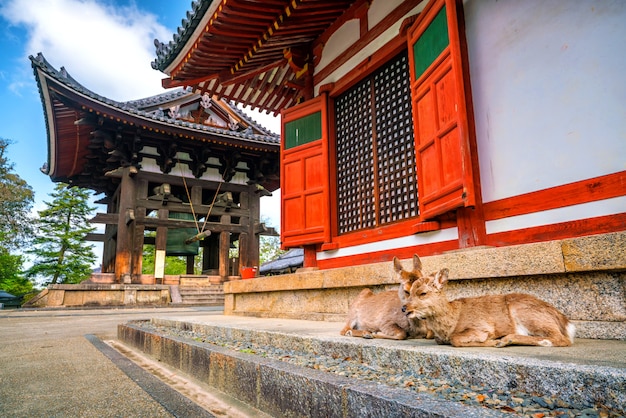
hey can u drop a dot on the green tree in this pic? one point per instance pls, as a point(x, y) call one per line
point(11, 279)
point(269, 248)
point(61, 255)
point(16, 201)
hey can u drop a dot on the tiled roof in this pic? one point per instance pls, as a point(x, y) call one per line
point(165, 53)
point(288, 261)
point(255, 53)
point(136, 107)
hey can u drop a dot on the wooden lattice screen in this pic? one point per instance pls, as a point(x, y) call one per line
point(376, 178)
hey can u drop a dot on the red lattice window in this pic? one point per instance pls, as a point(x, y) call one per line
point(376, 179)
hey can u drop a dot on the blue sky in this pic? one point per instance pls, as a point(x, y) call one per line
point(106, 45)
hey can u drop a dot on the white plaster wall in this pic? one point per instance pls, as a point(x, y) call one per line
point(379, 9)
point(549, 91)
point(348, 34)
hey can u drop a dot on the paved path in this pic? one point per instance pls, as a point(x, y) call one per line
point(53, 364)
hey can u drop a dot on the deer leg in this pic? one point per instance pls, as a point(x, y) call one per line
point(517, 339)
point(472, 338)
point(393, 332)
point(351, 332)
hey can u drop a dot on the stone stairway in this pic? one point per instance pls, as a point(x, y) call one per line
point(220, 352)
point(198, 291)
point(210, 296)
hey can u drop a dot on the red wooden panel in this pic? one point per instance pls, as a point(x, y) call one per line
point(445, 88)
point(293, 212)
point(314, 175)
point(425, 117)
point(305, 183)
point(293, 177)
point(444, 165)
point(314, 207)
point(451, 160)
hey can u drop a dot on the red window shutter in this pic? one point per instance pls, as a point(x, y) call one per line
point(440, 116)
point(304, 174)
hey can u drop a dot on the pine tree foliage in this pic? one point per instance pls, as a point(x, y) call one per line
point(16, 201)
point(61, 255)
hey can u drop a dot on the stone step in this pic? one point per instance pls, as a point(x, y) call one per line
point(200, 291)
point(212, 294)
point(589, 373)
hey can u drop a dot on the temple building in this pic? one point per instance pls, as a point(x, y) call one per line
point(485, 136)
point(180, 171)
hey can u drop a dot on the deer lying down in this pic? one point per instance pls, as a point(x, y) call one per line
point(380, 315)
point(486, 321)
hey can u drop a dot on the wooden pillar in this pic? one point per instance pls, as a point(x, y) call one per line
point(138, 232)
point(249, 241)
point(471, 226)
point(190, 264)
point(224, 250)
point(160, 246)
point(310, 256)
point(211, 255)
point(108, 247)
point(123, 259)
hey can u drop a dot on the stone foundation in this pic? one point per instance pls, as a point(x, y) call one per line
point(90, 294)
point(583, 277)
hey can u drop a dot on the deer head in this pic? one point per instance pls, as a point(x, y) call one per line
point(407, 278)
point(426, 296)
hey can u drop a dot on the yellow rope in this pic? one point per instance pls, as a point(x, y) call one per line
point(211, 207)
point(193, 213)
point(219, 185)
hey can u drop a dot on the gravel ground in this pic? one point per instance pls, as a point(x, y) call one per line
point(516, 403)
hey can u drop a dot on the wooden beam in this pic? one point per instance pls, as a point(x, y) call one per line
point(112, 218)
point(96, 237)
point(105, 218)
point(200, 210)
point(177, 223)
point(170, 82)
point(234, 78)
point(261, 229)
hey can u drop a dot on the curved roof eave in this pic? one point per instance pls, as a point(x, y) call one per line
point(129, 110)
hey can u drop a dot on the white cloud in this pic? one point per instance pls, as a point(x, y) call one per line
point(107, 49)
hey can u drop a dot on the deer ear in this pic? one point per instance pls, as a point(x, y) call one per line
point(417, 263)
point(441, 278)
point(397, 265)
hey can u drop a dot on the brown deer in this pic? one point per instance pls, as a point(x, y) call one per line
point(486, 321)
point(379, 315)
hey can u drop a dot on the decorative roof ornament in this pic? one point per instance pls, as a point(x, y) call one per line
point(206, 101)
point(233, 125)
point(174, 112)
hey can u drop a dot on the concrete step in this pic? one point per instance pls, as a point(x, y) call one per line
point(592, 372)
